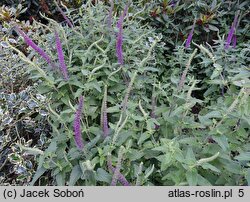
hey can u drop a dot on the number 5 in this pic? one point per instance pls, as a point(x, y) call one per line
point(241, 193)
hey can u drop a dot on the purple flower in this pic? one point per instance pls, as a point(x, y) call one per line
point(123, 15)
point(64, 16)
point(231, 32)
point(190, 36)
point(110, 14)
point(172, 4)
point(77, 125)
point(30, 43)
point(120, 178)
point(119, 40)
point(119, 52)
point(61, 57)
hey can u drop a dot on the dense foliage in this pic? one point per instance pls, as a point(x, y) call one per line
point(139, 93)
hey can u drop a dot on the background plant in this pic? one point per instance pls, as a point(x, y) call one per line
point(22, 117)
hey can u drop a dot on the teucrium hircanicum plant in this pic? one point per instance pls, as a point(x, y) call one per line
point(90, 55)
point(180, 115)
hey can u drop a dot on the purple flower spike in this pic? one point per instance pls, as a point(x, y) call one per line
point(30, 43)
point(65, 17)
point(190, 36)
point(119, 52)
point(77, 125)
point(172, 4)
point(121, 177)
point(119, 40)
point(123, 15)
point(231, 32)
point(61, 57)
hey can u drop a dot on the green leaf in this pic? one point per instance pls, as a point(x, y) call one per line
point(143, 137)
point(231, 166)
point(161, 149)
point(165, 160)
point(190, 157)
point(52, 147)
point(123, 136)
point(149, 171)
point(103, 176)
point(222, 141)
point(248, 176)
point(135, 154)
point(93, 142)
point(210, 167)
point(93, 85)
point(37, 175)
point(113, 109)
point(32, 151)
point(244, 156)
point(75, 175)
point(203, 181)
point(60, 179)
point(76, 83)
point(213, 28)
point(192, 177)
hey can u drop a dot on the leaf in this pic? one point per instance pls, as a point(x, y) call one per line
point(52, 147)
point(161, 149)
point(248, 176)
point(231, 166)
point(38, 174)
point(190, 157)
point(210, 167)
point(32, 151)
point(149, 171)
point(222, 141)
point(244, 156)
point(74, 153)
point(62, 83)
point(113, 109)
point(165, 160)
point(214, 4)
point(203, 181)
point(93, 85)
point(135, 154)
point(78, 93)
point(123, 136)
point(213, 114)
point(76, 83)
point(90, 177)
point(213, 28)
point(75, 175)
point(143, 137)
point(93, 142)
point(103, 176)
point(192, 177)
point(60, 179)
